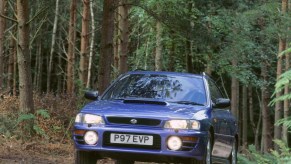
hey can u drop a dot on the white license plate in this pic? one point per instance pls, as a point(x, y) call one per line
point(131, 139)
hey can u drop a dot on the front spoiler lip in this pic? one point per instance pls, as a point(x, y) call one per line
point(197, 152)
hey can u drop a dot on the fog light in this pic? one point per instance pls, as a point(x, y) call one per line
point(174, 143)
point(91, 138)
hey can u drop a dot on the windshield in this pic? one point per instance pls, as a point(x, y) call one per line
point(178, 89)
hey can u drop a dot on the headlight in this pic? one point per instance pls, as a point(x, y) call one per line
point(183, 124)
point(91, 137)
point(89, 119)
point(174, 143)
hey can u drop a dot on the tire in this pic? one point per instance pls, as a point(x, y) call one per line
point(85, 157)
point(233, 156)
point(124, 162)
point(207, 157)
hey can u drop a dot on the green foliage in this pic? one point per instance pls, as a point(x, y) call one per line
point(43, 113)
point(40, 131)
point(253, 156)
point(25, 117)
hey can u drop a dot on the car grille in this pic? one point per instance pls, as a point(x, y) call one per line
point(156, 143)
point(139, 121)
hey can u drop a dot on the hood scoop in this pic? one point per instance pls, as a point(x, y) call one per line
point(144, 101)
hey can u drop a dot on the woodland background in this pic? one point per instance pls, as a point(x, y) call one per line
point(52, 51)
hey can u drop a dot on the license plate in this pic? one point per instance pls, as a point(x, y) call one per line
point(131, 139)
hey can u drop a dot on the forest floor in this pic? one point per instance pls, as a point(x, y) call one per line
point(52, 143)
point(13, 151)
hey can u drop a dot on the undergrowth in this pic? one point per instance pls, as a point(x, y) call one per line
point(255, 157)
point(52, 121)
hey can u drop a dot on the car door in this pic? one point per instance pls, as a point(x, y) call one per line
point(221, 123)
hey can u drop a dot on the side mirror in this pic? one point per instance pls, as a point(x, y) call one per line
point(91, 95)
point(221, 103)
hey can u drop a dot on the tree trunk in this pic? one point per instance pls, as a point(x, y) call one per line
point(91, 45)
point(279, 104)
point(84, 59)
point(48, 87)
point(251, 109)
point(158, 56)
point(25, 83)
point(71, 47)
point(286, 103)
point(124, 35)
point(257, 145)
point(234, 93)
point(106, 52)
point(266, 132)
point(245, 118)
point(11, 62)
point(39, 69)
point(172, 57)
point(3, 4)
point(15, 69)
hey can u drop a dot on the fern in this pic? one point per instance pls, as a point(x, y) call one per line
point(25, 117)
point(43, 113)
point(40, 131)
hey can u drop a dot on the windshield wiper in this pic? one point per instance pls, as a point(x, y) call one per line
point(187, 103)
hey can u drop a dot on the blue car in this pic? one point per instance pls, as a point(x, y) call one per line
point(157, 117)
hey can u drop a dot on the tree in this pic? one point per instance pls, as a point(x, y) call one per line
point(106, 51)
point(84, 58)
point(266, 133)
point(3, 4)
point(123, 30)
point(25, 83)
point(71, 47)
point(52, 46)
point(158, 55)
point(91, 44)
point(278, 104)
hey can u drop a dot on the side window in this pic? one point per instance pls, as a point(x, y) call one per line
point(214, 91)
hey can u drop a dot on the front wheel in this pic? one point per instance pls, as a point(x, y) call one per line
point(233, 156)
point(207, 157)
point(85, 157)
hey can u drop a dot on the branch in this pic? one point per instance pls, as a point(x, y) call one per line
point(3, 16)
point(37, 14)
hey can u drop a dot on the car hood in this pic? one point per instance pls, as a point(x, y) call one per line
point(169, 110)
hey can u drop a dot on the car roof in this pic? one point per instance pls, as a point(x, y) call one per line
point(166, 73)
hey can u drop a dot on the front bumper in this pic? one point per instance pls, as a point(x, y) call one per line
point(190, 149)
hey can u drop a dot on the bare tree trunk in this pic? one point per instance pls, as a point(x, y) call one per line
point(11, 62)
point(257, 131)
point(286, 103)
point(91, 45)
point(234, 93)
point(25, 83)
point(158, 56)
point(172, 57)
point(84, 59)
point(48, 87)
point(39, 69)
point(15, 69)
point(189, 52)
point(251, 109)
point(266, 134)
point(71, 47)
point(36, 64)
point(245, 118)
point(279, 104)
point(208, 67)
point(124, 36)
point(3, 4)
point(116, 44)
point(106, 53)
